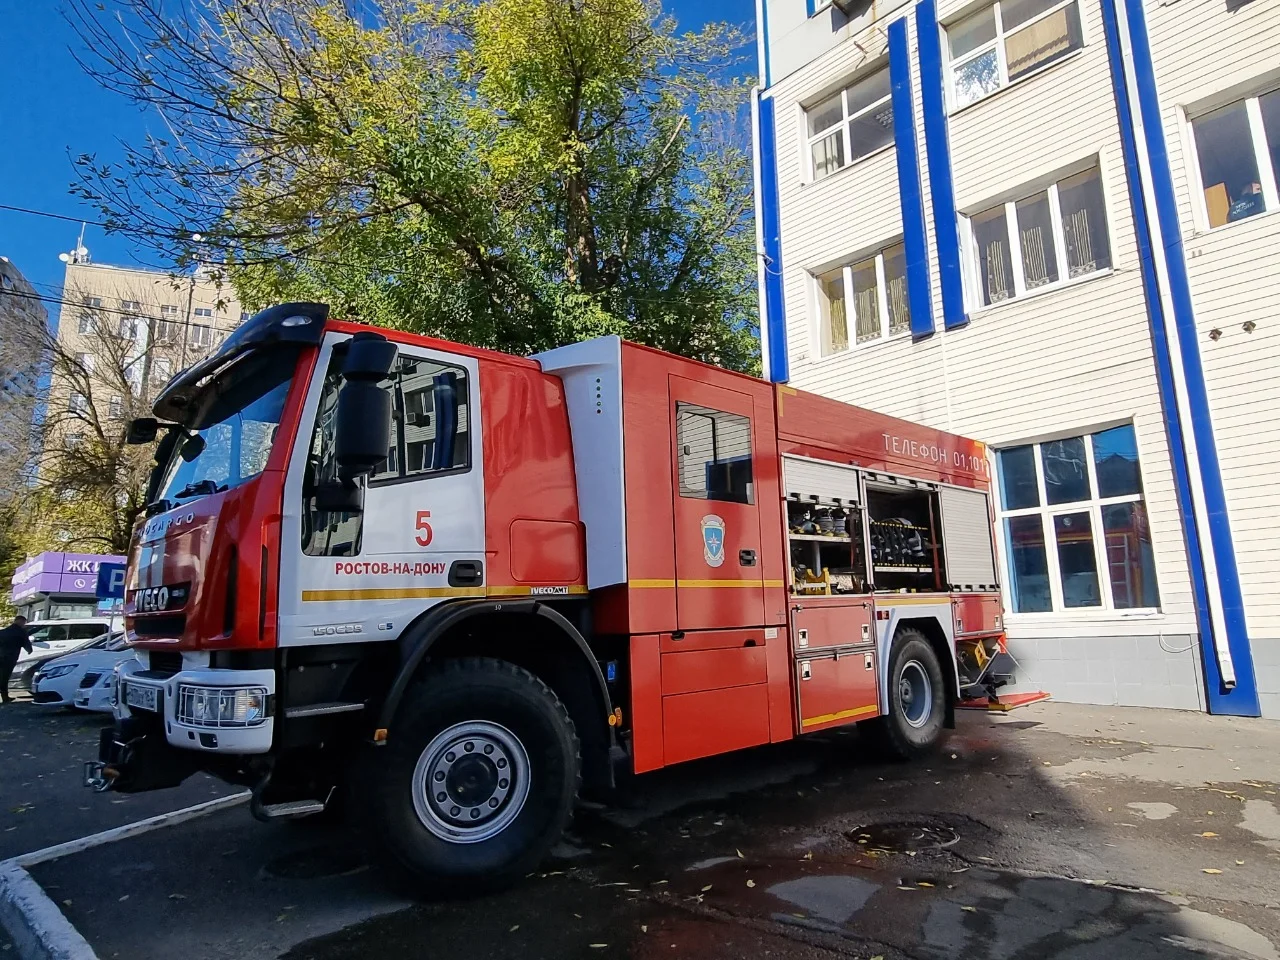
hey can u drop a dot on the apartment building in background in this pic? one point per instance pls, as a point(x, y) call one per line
point(122, 333)
point(23, 320)
point(1054, 225)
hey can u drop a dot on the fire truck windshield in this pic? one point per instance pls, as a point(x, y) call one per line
point(233, 443)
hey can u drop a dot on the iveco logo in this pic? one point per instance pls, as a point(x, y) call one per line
point(337, 629)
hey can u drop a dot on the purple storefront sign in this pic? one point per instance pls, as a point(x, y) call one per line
point(60, 573)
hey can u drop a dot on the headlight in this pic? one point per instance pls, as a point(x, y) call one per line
point(221, 706)
point(54, 672)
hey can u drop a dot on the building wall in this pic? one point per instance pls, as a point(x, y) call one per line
point(23, 322)
point(1206, 56)
point(170, 332)
point(1077, 358)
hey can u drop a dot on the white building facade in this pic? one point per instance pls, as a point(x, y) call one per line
point(1052, 225)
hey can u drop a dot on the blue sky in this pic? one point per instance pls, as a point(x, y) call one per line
point(51, 112)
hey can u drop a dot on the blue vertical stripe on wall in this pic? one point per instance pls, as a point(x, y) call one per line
point(811, 7)
point(764, 34)
point(1243, 698)
point(771, 228)
point(909, 192)
point(938, 147)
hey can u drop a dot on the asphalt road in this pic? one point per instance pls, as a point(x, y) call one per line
point(1059, 831)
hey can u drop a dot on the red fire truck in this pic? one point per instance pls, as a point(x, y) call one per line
point(455, 587)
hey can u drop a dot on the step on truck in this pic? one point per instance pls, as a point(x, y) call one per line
point(453, 589)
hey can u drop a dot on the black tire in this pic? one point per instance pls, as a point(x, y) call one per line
point(499, 700)
point(913, 728)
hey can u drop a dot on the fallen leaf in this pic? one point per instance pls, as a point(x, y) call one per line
point(280, 919)
point(706, 888)
point(969, 909)
point(658, 883)
point(1208, 833)
point(578, 915)
point(1239, 863)
point(597, 946)
point(751, 883)
point(953, 756)
point(1211, 870)
point(910, 853)
point(177, 896)
point(739, 853)
point(123, 899)
point(514, 928)
point(901, 887)
point(923, 883)
point(644, 928)
point(66, 903)
point(809, 855)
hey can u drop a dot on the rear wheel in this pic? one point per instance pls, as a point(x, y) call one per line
point(479, 778)
point(917, 699)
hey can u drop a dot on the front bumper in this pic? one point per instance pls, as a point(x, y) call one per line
point(222, 739)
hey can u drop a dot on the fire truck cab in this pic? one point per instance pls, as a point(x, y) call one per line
point(449, 588)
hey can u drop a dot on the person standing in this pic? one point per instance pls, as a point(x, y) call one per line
point(13, 640)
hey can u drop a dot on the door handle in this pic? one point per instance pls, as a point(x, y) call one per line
point(466, 573)
point(747, 558)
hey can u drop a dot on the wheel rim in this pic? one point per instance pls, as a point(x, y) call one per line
point(471, 781)
point(915, 693)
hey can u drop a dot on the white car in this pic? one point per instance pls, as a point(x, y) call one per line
point(82, 678)
point(52, 638)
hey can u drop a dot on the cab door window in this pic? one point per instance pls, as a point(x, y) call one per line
point(430, 435)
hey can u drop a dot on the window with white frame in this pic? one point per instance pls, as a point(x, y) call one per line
point(78, 403)
point(1061, 234)
point(1075, 525)
point(866, 298)
point(167, 328)
point(850, 125)
point(115, 408)
point(201, 335)
point(85, 361)
point(1238, 149)
point(1006, 41)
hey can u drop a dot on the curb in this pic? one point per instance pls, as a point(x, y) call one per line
point(37, 926)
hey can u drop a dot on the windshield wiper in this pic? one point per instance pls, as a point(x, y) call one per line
point(200, 488)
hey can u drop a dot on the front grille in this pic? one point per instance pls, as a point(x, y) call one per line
point(168, 627)
point(165, 662)
point(47, 696)
point(89, 679)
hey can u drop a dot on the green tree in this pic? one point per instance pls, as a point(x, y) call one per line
point(511, 173)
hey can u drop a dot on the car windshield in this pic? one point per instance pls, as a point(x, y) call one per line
point(232, 448)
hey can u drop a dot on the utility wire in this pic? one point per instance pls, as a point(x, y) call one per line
point(95, 310)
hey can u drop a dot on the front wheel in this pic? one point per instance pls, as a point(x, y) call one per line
point(917, 699)
point(479, 778)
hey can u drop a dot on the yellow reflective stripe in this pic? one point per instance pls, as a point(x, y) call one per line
point(427, 593)
point(908, 601)
point(392, 593)
point(571, 590)
point(688, 584)
point(842, 715)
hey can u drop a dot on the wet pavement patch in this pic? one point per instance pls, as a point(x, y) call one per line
point(904, 836)
point(317, 863)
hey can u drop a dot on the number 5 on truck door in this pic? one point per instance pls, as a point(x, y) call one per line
point(424, 528)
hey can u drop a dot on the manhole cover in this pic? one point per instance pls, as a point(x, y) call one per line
point(316, 864)
point(904, 836)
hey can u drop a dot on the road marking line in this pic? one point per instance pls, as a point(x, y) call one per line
point(39, 929)
point(128, 830)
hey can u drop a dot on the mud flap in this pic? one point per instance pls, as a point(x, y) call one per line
point(135, 757)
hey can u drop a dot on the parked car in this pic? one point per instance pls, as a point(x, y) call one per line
point(53, 638)
point(82, 678)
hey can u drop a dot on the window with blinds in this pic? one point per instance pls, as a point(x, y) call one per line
point(869, 294)
point(1040, 241)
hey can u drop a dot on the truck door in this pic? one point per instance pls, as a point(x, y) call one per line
point(719, 578)
point(420, 539)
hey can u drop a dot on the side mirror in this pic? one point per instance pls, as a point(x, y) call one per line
point(141, 430)
point(364, 409)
